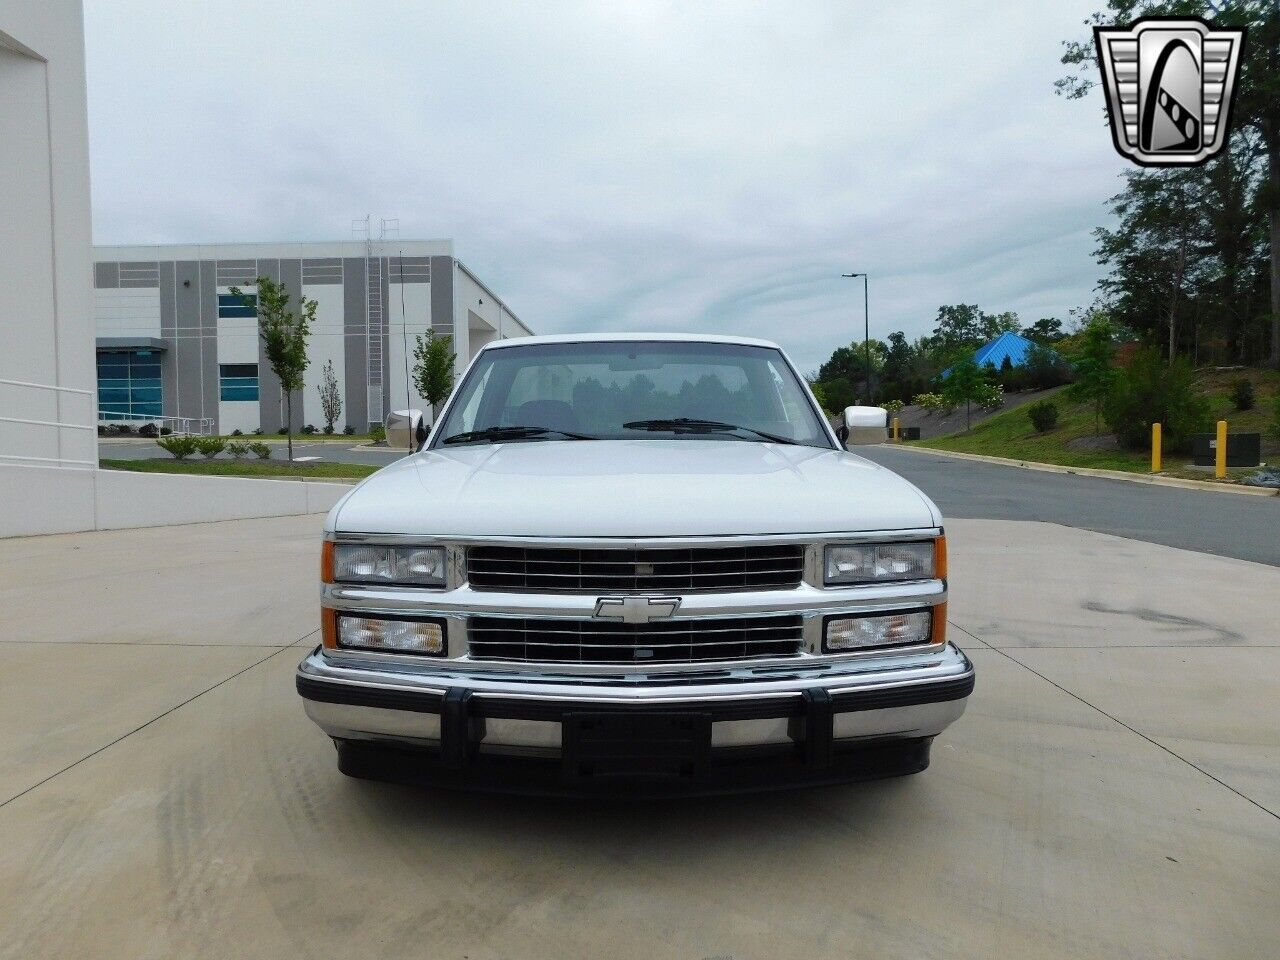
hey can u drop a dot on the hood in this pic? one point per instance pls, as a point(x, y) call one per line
point(631, 488)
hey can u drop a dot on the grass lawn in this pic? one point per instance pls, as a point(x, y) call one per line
point(1011, 435)
point(276, 469)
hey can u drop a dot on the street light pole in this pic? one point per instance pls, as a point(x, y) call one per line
point(866, 330)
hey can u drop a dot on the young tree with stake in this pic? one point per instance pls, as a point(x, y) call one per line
point(284, 338)
point(433, 360)
point(330, 397)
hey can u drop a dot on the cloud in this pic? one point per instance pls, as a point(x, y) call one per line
point(647, 165)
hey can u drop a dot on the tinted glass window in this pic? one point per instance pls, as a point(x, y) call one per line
point(626, 389)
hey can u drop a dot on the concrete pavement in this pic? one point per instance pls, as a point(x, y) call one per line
point(1231, 526)
point(1111, 791)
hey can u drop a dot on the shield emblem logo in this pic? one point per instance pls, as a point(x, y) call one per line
point(1169, 84)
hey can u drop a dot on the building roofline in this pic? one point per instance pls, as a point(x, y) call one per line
point(496, 299)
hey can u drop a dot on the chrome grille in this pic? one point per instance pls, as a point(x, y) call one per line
point(674, 570)
point(597, 641)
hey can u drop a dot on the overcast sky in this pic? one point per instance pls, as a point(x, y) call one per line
point(637, 165)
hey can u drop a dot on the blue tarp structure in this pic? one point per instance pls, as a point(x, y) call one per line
point(992, 354)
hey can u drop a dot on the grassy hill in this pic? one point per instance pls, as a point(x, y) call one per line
point(1074, 443)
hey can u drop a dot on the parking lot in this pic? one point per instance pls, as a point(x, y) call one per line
point(1113, 790)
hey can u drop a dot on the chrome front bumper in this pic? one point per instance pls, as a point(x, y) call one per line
point(805, 716)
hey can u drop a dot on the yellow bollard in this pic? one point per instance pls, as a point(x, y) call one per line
point(895, 429)
point(1220, 461)
point(1155, 448)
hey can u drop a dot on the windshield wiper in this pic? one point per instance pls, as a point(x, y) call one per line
point(512, 433)
point(692, 425)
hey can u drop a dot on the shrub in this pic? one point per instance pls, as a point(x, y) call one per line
point(149, 430)
point(990, 396)
point(328, 428)
point(210, 447)
point(237, 432)
point(1043, 414)
point(165, 431)
point(309, 428)
point(180, 447)
point(237, 449)
point(260, 450)
point(1150, 391)
point(1044, 368)
point(349, 430)
point(378, 433)
point(893, 407)
point(257, 431)
point(929, 402)
point(283, 431)
point(1242, 394)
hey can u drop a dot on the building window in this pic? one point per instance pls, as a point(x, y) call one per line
point(129, 386)
point(229, 305)
point(238, 381)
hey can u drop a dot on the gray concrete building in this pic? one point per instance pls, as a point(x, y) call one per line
point(174, 342)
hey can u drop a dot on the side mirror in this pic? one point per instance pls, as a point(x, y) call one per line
point(865, 425)
point(406, 429)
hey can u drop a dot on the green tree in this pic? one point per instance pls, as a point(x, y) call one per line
point(1257, 97)
point(330, 397)
point(838, 392)
point(1151, 391)
point(1045, 331)
point(966, 383)
point(1158, 249)
point(433, 360)
point(959, 326)
point(1095, 372)
point(284, 338)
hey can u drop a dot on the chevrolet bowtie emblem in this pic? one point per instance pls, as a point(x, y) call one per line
point(1169, 84)
point(636, 609)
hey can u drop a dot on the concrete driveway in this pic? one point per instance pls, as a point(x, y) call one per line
point(1113, 790)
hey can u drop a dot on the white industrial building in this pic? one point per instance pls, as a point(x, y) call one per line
point(175, 344)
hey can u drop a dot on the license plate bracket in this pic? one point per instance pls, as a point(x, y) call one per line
point(643, 746)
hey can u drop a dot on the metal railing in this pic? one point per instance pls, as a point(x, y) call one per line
point(193, 426)
point(56, 424)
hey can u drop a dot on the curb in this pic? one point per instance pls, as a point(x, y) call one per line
point(1094, 472)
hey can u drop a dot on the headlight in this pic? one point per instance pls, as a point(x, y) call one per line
point(413, 566)
point(884, 630)
point(390, 636)
point(881, 562)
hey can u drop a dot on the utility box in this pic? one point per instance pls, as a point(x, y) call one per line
point(1243, 449)
point(909, 433)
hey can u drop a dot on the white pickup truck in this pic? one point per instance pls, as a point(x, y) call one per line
point(638, 563)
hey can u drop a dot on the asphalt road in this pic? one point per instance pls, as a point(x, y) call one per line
point(1226, 524)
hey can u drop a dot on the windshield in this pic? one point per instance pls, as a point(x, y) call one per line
point(640, 389)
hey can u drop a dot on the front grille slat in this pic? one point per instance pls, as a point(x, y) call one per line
point(590, 641)
point(568, 570)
